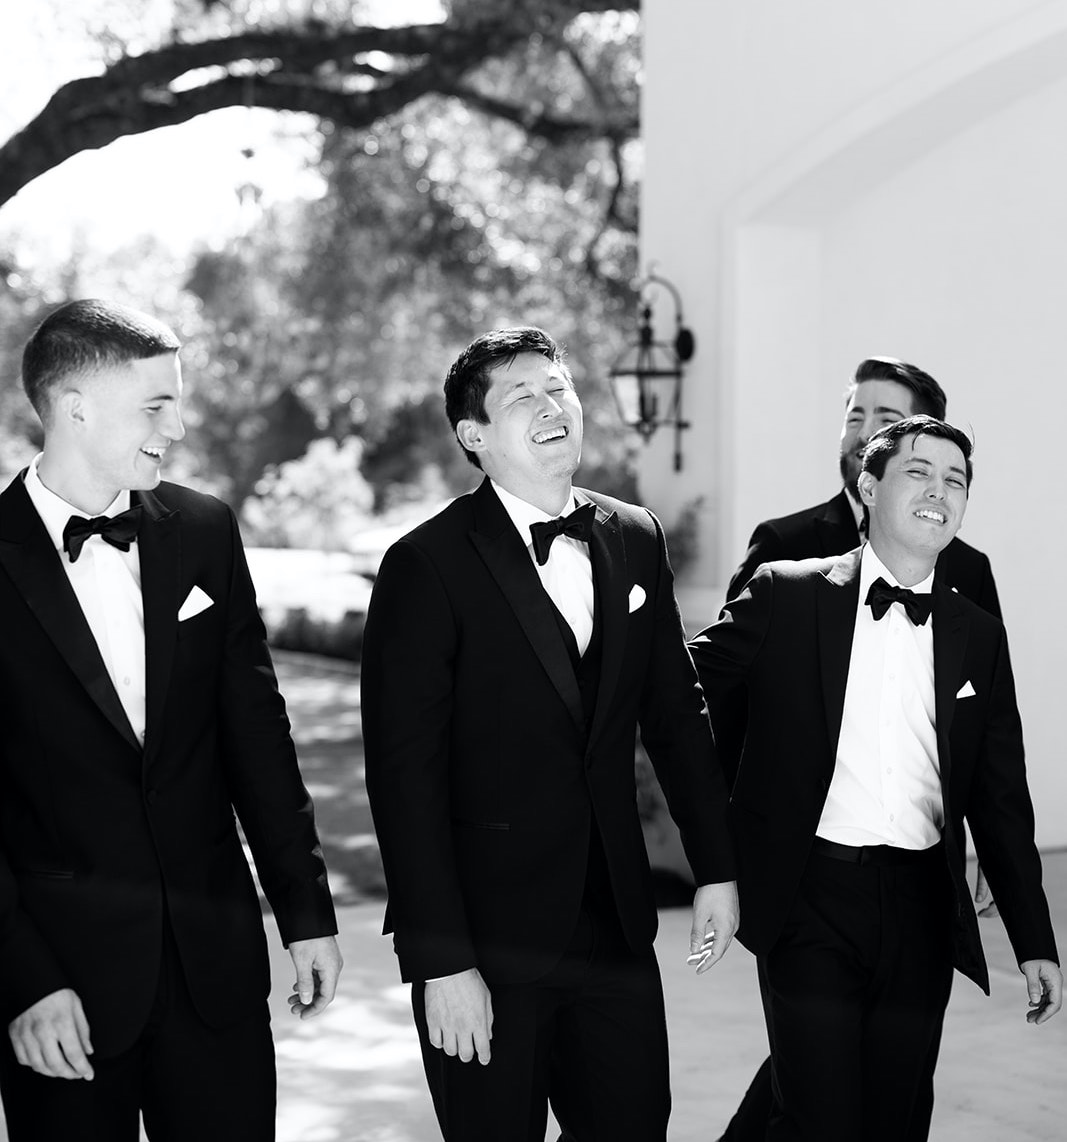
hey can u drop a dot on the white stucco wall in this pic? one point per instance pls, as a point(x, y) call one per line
point(826, 181)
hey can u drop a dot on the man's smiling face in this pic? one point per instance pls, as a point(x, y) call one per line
point(534, 435)
point(917, 506)
point(872, 405)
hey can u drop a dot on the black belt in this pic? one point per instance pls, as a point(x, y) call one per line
point(873, 854)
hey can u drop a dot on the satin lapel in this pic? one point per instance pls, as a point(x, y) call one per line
point(27, 554)
point(951, 629)
point(836, 596)
point(608, 553)
point(508, 561)
point(159, 542)
point(836, 527)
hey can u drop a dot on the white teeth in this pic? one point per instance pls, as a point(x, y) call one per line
point(551, 434)
point(926, 513)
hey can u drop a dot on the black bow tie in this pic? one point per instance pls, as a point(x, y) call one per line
point(118, 530)
point(881, 596)
point(578, 525)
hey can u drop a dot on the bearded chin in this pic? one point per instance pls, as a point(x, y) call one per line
point(850, 472)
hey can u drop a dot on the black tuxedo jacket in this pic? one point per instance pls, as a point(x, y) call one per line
point(788, 638)
point(100, 837)
point(830, 529)
point(484, 778)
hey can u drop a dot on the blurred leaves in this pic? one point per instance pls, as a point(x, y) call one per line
point(335, 318)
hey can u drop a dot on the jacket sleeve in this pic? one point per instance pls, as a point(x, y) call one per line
point(262, 773)
point(1001, 818)
point(676, 733)
point(988, 599)
point(409, 647)
point(30, 969)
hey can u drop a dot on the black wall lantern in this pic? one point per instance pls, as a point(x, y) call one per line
point(647, 378)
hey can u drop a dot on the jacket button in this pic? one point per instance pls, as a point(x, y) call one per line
point(151, 796)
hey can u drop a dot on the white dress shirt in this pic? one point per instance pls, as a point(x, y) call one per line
point(567, 575)
point(107, 583)
point(886, 787)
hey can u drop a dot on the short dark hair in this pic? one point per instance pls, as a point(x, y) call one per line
point(927, 395)
point(83, 337)
point(468, 378)
point(886, 442)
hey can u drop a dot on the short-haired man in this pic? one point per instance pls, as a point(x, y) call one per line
point(882, 714)
point(882, 390)
point(141, 711)
point(510, 652)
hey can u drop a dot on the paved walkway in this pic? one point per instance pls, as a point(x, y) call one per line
point(356, 1075)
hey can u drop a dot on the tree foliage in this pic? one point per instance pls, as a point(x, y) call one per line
point(341, 72)
point(479, 172)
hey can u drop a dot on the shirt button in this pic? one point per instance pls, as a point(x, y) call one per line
point(892, 817)
point(125, 681)
point(889, 769)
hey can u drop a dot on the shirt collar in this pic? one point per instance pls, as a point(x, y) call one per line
point(871, 568)
point(521, 513)
point(55, 511)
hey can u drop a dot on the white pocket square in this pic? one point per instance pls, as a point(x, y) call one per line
point(195, 602)
point(637, 597)
point(966, 690)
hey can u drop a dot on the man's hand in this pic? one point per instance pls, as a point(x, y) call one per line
point(52, 1037)
point(459, 1015)
point(1044, 982)
point(715, 919)
point(318, 964)
point(981, 895)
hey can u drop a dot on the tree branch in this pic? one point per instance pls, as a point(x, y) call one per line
point(308, 69)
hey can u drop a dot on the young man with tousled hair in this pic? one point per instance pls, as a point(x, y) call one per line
point(513, 644)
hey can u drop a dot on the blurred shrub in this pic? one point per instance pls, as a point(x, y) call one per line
point(298, 629)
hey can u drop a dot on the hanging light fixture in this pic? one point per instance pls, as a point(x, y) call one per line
point(646, 379)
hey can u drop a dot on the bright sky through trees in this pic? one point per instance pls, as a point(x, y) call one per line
point(178, 183)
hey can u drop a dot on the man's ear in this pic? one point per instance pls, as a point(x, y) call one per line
point(69, 406)
point(469, 434)
point(865, 485)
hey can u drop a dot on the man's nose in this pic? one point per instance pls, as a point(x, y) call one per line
point(549, 406)
point(175, 429)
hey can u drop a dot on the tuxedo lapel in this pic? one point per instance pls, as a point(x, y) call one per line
point(837, 593)
point(508, 561)
point(28, 556)
point(159, 543)
point(608, 553)
point(951, 628)
point(835, 527)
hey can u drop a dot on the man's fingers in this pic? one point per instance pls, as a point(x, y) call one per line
point(305, 983)
point(81, 1027)
point(1044, 986)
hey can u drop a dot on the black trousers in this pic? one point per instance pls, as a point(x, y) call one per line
point(854, 995)
point(589, 1038)
point(190, 1081)
point(749, 1123)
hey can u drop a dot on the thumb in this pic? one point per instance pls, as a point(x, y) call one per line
point(1033, 984)
point(305, 981)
